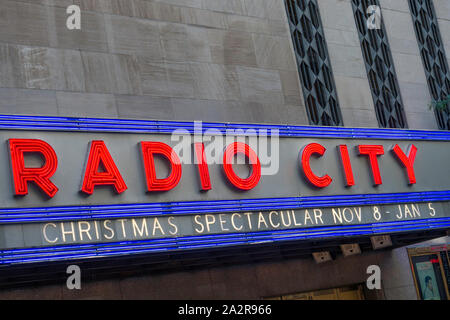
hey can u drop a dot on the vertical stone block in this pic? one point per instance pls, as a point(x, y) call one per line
point(132, 36)
point(180, 80)
point(144, 107)
point(144, 9)
point(99, 72)
point(260, 85)
point(291, 88)
point(71, 75)
point(184, 3)
point(26, 101)
point(77, 104)
point(204, 110)
point(92, 35)
point(229, 6)
point(153, 76)
point(23, 23)
point(203, 18)
point(127, 70)
point(184, 43)
point(273, 52)
point(11, 74)
point(269, 9)
point(42, 68)
point(37, 63)
point(232, 48)
point(216, 82)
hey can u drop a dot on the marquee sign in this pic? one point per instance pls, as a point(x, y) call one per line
point(75, 188)
point(111, 176)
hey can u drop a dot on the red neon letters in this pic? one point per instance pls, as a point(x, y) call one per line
point(40, 176)
point(238, 182)
point(149, 149)
point(99, 155)
point(372, 152)
point(407, 160)
point(346, 164)
point(308, 151)
point(102, 171)
point(202, 165)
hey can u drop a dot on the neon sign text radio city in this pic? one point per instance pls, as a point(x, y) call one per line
point(101, 169)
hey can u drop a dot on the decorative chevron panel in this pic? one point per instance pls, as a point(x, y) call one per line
point(314, 66)
point(380, 68)
point(433, 55)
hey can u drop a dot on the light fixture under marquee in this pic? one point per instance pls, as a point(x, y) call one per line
point(323, 256)
point(380, 242)
point(350, 249)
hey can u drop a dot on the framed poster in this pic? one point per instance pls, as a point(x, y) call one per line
point(427, 280)
point(445, 258)
point(429, 276)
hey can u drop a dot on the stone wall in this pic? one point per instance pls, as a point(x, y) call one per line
point(209, 60)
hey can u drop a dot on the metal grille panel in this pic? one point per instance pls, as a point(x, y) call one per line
point(380, 68)
point(314, 66)
point(433, 55)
